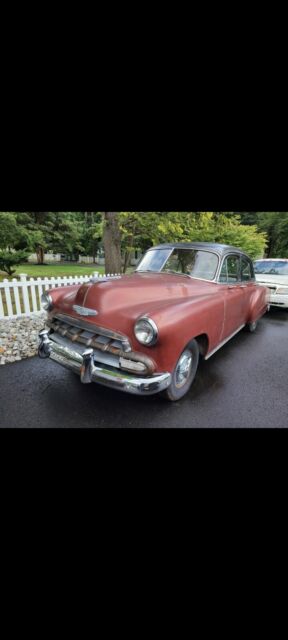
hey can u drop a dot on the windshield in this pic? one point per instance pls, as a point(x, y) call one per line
point(190, 262)
point(277, 267)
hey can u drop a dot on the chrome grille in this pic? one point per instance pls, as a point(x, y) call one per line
point(110, 347)
point(95, 337)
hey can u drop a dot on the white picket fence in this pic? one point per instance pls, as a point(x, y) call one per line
point(23, 297)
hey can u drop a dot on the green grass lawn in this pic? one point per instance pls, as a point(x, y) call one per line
point(56, 270)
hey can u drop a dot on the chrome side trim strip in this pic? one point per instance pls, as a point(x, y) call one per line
point(223, 342)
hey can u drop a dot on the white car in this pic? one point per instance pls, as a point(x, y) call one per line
point(273, 274)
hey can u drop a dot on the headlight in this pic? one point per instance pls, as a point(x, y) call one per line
point(282, 291)
point(46, 301)
point(146, 331)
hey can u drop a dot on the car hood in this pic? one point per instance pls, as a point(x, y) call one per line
point(265, 278)
point(132, 294)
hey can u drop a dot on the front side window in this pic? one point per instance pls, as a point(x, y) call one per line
point(230, 270)
point(190, 262)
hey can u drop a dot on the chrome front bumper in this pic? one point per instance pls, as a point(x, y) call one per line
point(84, 365)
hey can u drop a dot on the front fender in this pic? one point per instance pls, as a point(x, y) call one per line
point(179, 324)
point(62, 294)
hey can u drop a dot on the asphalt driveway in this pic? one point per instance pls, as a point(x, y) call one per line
point(243, 385)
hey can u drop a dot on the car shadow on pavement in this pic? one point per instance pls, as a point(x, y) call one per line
point(277, 315)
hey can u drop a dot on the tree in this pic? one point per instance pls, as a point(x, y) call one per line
point(92, 233)
point(229, 230)
point(282, 244)
point(112, 242)
point(66, 235)
point(60, 232)
point(8, 229)
point(249, 217)
point(275, 225)
point(77, 232)
point(10, 234)
point(149, 228)
point(142, 230)
point(9, 259)
point(39, 227)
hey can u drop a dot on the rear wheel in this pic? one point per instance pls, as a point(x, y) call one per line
point(184, 373)
point(251, 326)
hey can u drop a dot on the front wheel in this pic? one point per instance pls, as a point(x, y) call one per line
point(184, 373)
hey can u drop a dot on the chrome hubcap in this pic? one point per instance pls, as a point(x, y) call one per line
point(183, 369)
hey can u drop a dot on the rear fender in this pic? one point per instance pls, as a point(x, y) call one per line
point(258, 304)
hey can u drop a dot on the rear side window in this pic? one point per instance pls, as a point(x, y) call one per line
point(247, 273)
point(230, 270)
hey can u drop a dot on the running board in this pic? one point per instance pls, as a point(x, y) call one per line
point(224, 342)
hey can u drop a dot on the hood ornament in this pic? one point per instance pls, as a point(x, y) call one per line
point(83, 311)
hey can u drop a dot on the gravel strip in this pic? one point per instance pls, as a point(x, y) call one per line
point(19, 337)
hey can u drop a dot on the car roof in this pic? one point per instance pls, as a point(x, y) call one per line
point(214, 246)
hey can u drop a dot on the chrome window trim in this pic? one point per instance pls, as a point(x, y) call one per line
point(244, 257)
point(221, 259)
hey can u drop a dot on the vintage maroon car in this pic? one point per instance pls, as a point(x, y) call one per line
point(143, 333)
